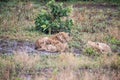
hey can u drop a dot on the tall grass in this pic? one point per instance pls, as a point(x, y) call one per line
point(65, 66)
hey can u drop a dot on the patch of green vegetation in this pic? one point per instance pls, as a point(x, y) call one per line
point(90, 51)
point(113, 40)
point(50, 21)
point(115, 43)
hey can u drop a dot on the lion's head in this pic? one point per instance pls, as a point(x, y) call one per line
point(62, 37)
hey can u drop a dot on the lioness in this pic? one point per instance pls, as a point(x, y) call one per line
point(55, 43)
point(62, 37)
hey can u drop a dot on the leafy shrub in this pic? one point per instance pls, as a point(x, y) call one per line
point(51, 20)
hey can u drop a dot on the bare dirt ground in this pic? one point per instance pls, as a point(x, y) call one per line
point(11, 46)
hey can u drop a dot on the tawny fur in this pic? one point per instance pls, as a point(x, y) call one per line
point(51, 48)
point(40, 43)
point(61, 47)
point(102, 47)
point(62, 37)
point(56, 43)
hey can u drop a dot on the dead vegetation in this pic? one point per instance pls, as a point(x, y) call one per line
point(63, 67)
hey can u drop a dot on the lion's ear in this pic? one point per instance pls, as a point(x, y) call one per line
point(97, 43)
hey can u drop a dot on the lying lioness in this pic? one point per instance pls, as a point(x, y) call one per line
point(102, 47)
point(55, 43)
point(62, 37)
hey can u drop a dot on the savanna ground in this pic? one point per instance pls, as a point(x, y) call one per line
point(92, 21)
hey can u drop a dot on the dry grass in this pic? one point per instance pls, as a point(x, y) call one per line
point(82, 75)
point(25, 60)
point(95, 24)
point(68, 60)
point(19, 21)
point(63, 67)
point(114, 32)
point(110, 61)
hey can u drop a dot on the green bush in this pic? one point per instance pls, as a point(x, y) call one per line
point(51, 20)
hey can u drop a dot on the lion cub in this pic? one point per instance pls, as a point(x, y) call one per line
point(55, 43)
point(102, 47)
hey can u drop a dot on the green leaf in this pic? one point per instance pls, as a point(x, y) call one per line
point(44, 27)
